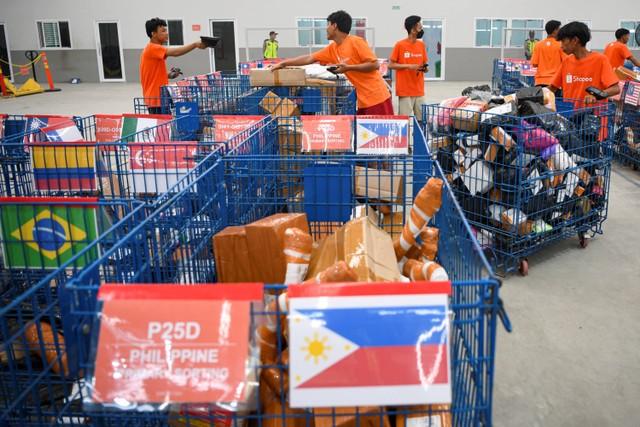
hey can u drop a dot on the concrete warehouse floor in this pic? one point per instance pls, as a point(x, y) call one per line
point(573, 358)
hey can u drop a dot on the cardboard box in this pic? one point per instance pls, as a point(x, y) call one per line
point(523, 226)
point(625, 73)
point(393, 224)
point(361, 211)
point(366, 248)
point(467, 117)
point(279, 107)
point(346, 417)
point(440, 142)
point(231, 251)
point(282, 77)
point(286, 108)
point(500, 136)
point(379, 185)
point(265, 240)
point(270, 102)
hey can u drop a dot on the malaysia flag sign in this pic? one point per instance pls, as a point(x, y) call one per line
point(633, 93)
point(382, 135)
point(369, 344)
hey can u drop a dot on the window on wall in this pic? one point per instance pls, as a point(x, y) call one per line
point(631, 26)
point(587, 22)
point(489, 31)
point(519, 36)
point(176, 35)
point(312, 31)
point(54, 34)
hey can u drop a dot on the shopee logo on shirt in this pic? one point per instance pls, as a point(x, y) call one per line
point(571, 78)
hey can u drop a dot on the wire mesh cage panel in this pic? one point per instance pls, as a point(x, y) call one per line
point(172, 244)
point(37, 387)
point(627, 138)
point(233, 95)
point(526, 181)
point(475, 306)
point(510, 75)
point(141, 165)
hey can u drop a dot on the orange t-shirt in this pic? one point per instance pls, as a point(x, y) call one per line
point(617, 53)
point(409, 82)
point(354, 50)
point(548, 55)
point(574, 75)
point(153, 73)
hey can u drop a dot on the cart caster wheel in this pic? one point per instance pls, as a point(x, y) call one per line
point(584, 242)
point(524, 267)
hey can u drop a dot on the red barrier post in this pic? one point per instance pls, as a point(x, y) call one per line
point(46, 69)
point(4, 88)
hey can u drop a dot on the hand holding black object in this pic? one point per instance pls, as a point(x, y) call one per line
point(175, 72)
point(597, 93)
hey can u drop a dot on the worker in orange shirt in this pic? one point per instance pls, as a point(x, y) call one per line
point(153, 69)
point(582, 68)
point(353, 58)
point(618, 52)
point(548, 54)
point(409, 57)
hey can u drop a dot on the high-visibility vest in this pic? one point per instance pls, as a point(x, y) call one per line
point(531, 45)
point(270, 49)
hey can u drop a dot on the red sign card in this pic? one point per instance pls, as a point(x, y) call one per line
point(327, 133)
point(108, 128)
point(228, 126)
point(179, 348)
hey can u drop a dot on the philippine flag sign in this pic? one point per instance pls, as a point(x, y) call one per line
point(369, 344)
point(382, 135)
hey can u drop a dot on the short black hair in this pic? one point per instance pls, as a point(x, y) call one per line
point(152, 25)
point(342, 19)
point(575, 29)
point(551, 26)
point(411, 22)
point(621, 32)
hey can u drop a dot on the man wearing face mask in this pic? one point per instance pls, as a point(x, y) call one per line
point(409, 58)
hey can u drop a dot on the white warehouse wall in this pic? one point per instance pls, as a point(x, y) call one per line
point(463, 60)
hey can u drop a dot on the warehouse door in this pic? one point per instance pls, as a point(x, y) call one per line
point(434, 39)
point(110, 64)
point(5, 54)
point(224, 57)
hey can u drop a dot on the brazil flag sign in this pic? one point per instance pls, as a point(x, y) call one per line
point(39, 232)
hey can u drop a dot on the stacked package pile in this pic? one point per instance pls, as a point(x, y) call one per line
point(280, 249)
point(523, 173)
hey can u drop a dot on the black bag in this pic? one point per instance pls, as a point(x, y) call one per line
point(533, 94)
point(507, 121)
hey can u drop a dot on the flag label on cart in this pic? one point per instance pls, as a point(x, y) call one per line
point(633, 93)
point(64, 166)
point(63, 132)
point(34, 124)
point(327, 133)
point(39, 232)
point(363, 344)
point(145, 128)
point(155, 168)
point(382, 135)
point(188, 344)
